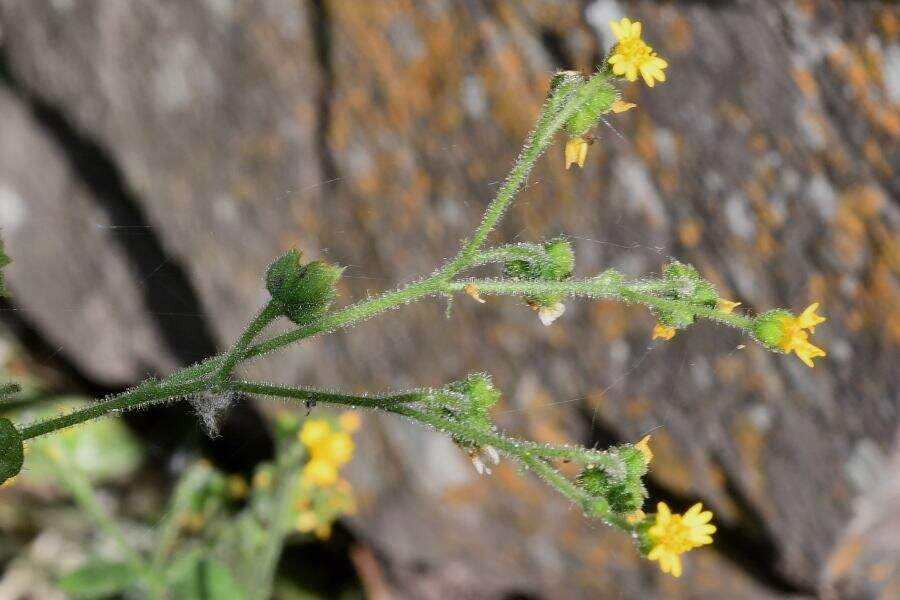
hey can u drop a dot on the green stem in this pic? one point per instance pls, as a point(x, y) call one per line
point(280, 523)
point(269, 312)
point(141, 396)
point(530, 454)
point(561, 106)
point(81, 490)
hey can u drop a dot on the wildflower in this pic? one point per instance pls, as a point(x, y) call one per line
point(306, 521)
point(619, 106)
point(795, 339)
point(644, 447)
point(237, 487)
point(472, 291)
point(726, 306)
point(314, 431)
point(262, 479)
point(548, 314)
point(323, 531)
point(663, 331)
point(631, 55)
point(337, 448)
point(349, 421)
point(672, 535)
point(576, 151)
point(320, 472)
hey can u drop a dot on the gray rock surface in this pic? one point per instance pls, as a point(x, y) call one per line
point(220, 133)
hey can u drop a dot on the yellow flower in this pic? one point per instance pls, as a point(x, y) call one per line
point(314, 431)
point(663, 331)
point(306, 521)
point(795, 339)
point(644, 447)
point(323, 532)
point(632, 55)
point(808, 319)
point(576, 151)
point(726, 306)
point(237, 487)
point(349, 421)
point(262, 479)
point(619, 106)
point(320, 472)
point(672, 535)
point(337, 448)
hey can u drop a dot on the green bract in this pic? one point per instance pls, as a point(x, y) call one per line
point(767, 327)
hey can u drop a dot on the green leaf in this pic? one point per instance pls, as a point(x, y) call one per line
point(98, 579)
point(196, 578)
point(12, 453)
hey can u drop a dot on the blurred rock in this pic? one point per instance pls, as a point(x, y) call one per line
point(373, 134)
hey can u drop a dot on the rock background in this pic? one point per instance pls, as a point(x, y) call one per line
point(154, 157)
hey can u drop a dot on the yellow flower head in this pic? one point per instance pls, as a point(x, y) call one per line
point(320, 472)
point(631, 55)
point(337, 448)
point(726, 306)
point(672, 535)
point(314, 432)
point(795, 339)
point(306, 521)
point(644, 447)
point(663, 331)
point(237, 487)
point(576, 151)
point(349, 421)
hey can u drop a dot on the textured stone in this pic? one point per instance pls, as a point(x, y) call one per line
point(374, 133)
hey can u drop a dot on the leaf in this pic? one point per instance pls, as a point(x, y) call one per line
point(98, 579)
point(193, 577)
point(12, 453)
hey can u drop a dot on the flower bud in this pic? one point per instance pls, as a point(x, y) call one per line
point(600, 102)
point(677, 317)
point(4, 260)
point(624, 496)
point(562, 259)
point(12, 452)
point(303, 292)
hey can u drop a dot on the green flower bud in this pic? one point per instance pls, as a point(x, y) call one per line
point(519, 269)
point(589, 113)
point(12, 452)
point(767, 328)
point(635, 461)
point(562, 259)
point(565, 81)
point(624, 496)
point(303, 292)
point(479, 389)
point(705, 293)
point(677, 271)
point(677, 317)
